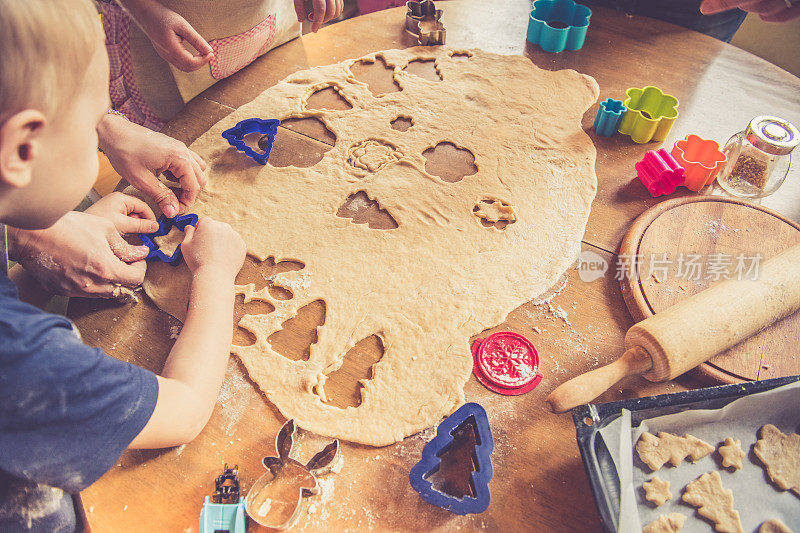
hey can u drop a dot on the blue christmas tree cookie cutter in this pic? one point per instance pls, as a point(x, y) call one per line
point(267, 127)
point(609, 116)
point(558, 25)
point(164, 226)
point(469, 413)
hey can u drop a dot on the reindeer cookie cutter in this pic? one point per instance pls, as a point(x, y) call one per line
point(276, 498)
point(424, 21)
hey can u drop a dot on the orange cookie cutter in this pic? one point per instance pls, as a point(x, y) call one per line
point(701, 159)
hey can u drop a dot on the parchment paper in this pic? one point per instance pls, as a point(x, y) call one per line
point(754, 496)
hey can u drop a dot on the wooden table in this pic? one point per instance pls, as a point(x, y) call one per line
point(539, 482)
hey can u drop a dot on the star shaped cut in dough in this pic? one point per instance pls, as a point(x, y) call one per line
point(656, 491)
point(732, 454)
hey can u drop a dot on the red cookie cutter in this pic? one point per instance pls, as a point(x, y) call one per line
point(506, 363)
point(659, 172)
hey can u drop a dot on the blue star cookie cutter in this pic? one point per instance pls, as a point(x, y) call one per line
point(267, 127)
point(469, 413)
point(558, 25)
point(609, 116)
point(164, 226)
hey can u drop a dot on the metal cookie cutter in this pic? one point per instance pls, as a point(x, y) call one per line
point(701, 160)
point(164, 226)
point(268, 128)
point(276, 498)
point(425, 22)
point(558, 25)
point(469, 416)
point(650, 114)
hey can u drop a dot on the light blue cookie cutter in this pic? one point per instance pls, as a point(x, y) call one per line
point(609, 116)
point(558, 25)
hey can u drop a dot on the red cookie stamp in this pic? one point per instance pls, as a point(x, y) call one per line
point(506, 363)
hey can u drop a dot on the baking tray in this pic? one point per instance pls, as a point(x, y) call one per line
point(600, 468)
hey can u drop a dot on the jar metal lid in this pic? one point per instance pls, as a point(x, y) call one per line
point(773, 135)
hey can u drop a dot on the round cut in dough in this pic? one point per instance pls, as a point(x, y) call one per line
point(439, 277)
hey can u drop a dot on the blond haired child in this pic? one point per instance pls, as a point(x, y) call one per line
point(67, 411)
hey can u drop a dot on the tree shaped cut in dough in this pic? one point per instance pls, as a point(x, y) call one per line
point(714, 502)
point(666, 523)
point(780, 454)
point(424, 287)
point(655, 451)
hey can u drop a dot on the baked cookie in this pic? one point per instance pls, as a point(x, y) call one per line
point(656, 491)
point(780, 454)
point(666, 523)
point(732, 453)
point(774, 526)
point(655, 451)
point(714, 502)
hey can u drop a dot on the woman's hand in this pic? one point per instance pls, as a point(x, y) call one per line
point(140, 155)
point(84, 254)
point(323, 11)
point(167, 31)
point(768, 10)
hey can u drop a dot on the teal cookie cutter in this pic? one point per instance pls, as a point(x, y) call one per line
point(650, 114)
point(608, 117)
point(558, 25)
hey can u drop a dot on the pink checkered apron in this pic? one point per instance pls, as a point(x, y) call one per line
point(232, 54)
point(124, 93)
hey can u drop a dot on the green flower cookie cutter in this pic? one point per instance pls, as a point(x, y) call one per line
point(650, 114)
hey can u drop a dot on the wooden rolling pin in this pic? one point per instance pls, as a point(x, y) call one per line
point(694, 330)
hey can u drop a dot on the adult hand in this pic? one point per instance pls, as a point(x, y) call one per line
point(167, 32)
point(140, 155)
point(768, 10)
point(323, 11)
point(84, 254)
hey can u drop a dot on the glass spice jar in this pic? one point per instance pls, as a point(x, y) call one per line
point(759, 157)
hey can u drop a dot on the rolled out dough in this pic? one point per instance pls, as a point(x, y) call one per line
point(441, 276)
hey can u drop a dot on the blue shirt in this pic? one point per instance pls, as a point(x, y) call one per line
point(67, 412)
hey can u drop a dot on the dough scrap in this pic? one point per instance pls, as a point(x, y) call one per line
point(714, 502)
point(169, 243)
point(666, 523)
point(732, 453)
point(655, 451)
point(437, 279)
point(657, 491)
point(780, 454)
point(774, 526)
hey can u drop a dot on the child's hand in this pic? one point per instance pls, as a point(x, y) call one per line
point(213, 245)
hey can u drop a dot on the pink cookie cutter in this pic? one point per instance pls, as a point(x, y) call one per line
point(659, 172)
point(701, 160)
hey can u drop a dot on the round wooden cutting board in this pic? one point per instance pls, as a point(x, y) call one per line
point(725, 237)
